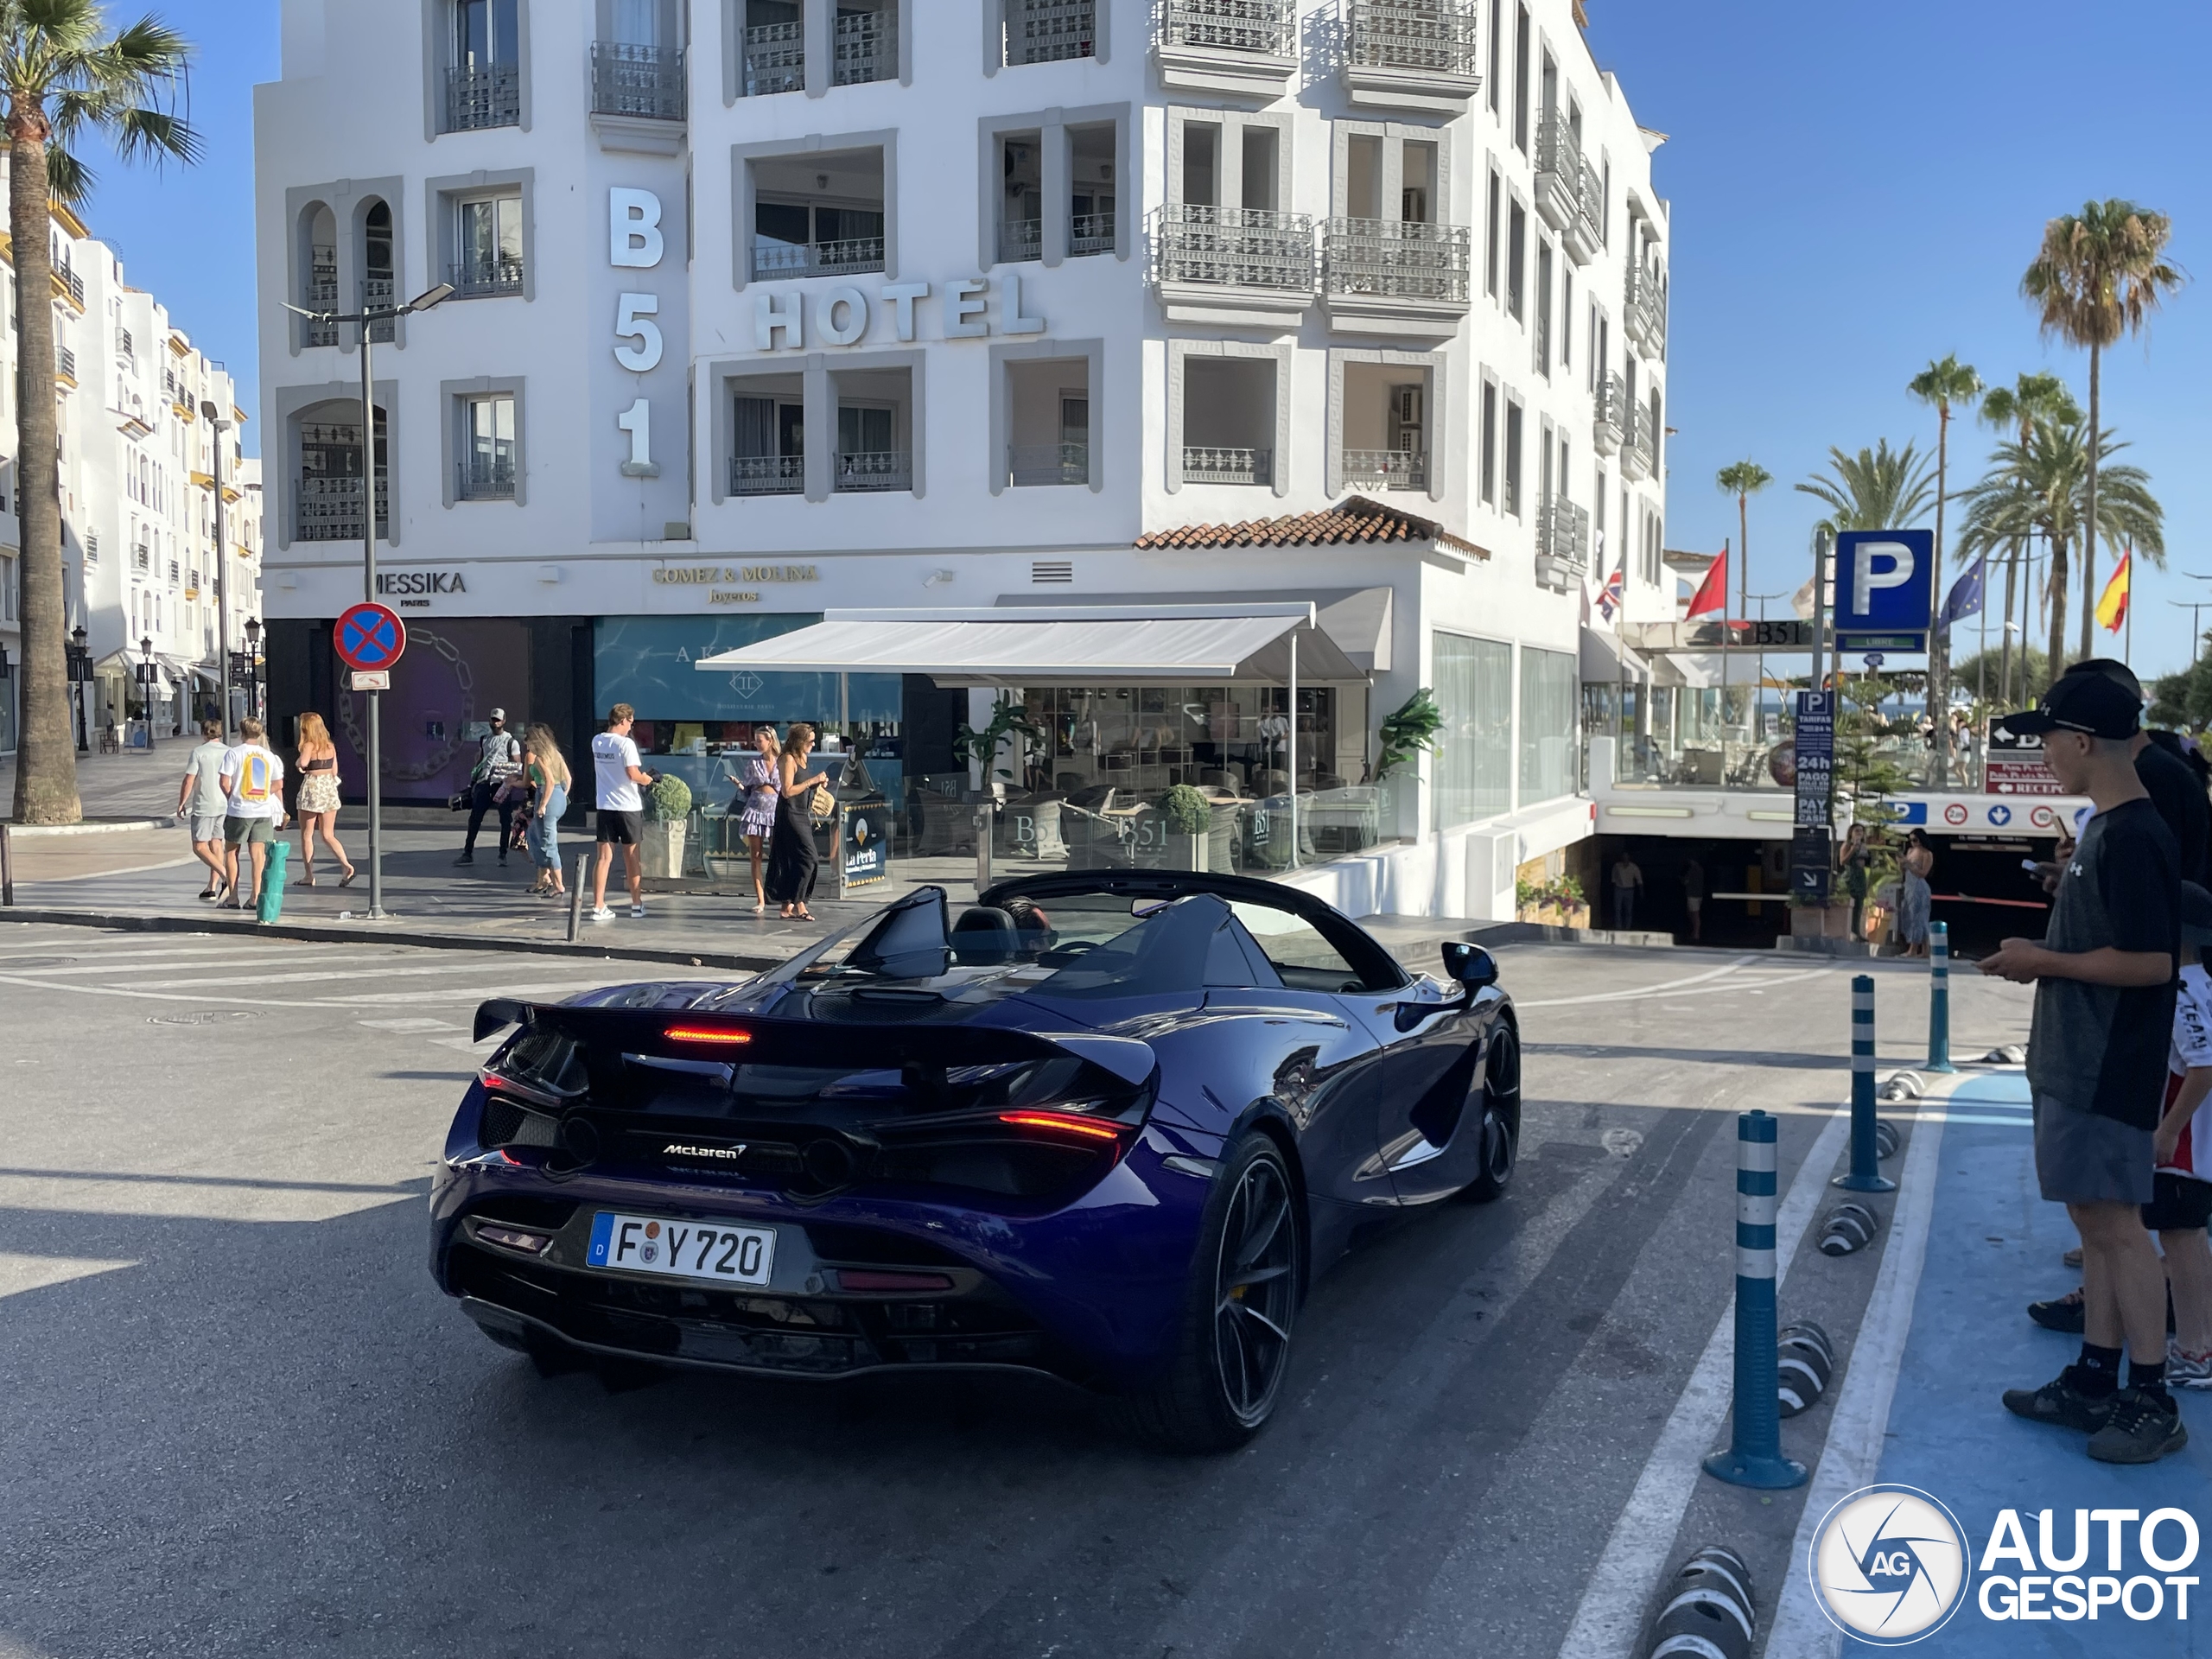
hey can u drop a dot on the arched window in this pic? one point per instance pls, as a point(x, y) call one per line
point(376, 277)
point(318, 265)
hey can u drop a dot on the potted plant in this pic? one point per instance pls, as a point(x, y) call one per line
point(1186, 816)
point(668, 813)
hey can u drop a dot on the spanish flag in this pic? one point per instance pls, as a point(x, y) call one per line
point(2112, 604)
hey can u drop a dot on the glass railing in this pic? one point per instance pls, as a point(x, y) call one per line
point(1031, 464)
point(1643, 762)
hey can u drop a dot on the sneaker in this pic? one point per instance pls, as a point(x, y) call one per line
point(2138, 1429)
point(2059, 1403)
point(2185, 1369)
point(637, 911)
point(602, 914)
point(466, 858)
point(2060, 1314)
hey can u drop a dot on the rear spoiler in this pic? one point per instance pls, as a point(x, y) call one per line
point(685, 1034)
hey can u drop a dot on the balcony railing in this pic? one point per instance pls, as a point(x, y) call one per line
point(65, 363)
point(859, 253)
point(1399, 258)
point(1208, 464)
point(1385, 469)
point(1235, 247)
point(864, 46)
point(1590, 217)
point(377, 293)
point(123, 341)
point(486, 477)
point(1559, 172)
point(73, 282)
point(1435, 35)
point(775, 59)
point(489, 97)
point(1265, 28)
point(1610, 428)
point(488, 277)
point(874, 469)
point(1031, 464)
point(1637, 455)
point(1644, 314)
point(1090, 234)
point(1563, 533)
point(321, 295)
point(1046, 31)
point(767, 474)
point(1020, 240)
point(330, 509)
point(640, 81)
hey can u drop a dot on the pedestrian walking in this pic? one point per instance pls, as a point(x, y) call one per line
point(499, 763)
point(2105, 977)
point(1916, 899)
point(1627, 882)
point(547, 769)
point(317, 757)
point(253, 807)
point(792, 863)
point(616, 776)
point(199, 803)
point(1693, 896)
point(1857, 865)
point(754, 808)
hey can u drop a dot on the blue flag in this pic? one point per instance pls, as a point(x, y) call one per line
point(1965, 598)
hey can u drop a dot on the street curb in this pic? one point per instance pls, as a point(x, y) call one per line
point(1553, 933)
point(375, 933)
point(105, 826)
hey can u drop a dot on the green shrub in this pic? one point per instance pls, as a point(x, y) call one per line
point(1186, 811)
point(669, 800)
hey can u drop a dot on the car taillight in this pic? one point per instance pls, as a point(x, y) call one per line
point(722, 1035)
point(514, 1238)
point(874, 1279)
point(1067, 1123)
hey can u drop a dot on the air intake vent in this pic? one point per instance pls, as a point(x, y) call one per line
point(1045, 571)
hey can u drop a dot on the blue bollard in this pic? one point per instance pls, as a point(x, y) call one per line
point(1754, 1454)
point(1865, 1156)
point(1939, 997)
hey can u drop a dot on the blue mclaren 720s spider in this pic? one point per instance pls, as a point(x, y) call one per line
point(1103, 1124)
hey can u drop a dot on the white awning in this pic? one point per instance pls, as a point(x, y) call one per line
point(1100, 645)
point(1606, 661)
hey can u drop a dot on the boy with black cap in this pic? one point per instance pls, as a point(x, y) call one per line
point(2104, 975)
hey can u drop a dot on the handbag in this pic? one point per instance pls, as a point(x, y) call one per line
point(821, 804)
point(458, 801)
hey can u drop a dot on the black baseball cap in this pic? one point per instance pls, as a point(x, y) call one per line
point(2083, 703)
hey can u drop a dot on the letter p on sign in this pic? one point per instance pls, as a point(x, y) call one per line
point(1866, 576)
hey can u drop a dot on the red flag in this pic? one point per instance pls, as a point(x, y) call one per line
point(1711, 596)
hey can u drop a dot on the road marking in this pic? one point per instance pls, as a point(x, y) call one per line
point(408, 1024)
point(1679, 987)
point(1852, 1455)
point(1608, 1623)
point(189, 961)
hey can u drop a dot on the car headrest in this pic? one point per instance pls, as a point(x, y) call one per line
point(983, 934)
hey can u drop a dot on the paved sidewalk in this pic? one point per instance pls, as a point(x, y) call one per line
point(131, 785)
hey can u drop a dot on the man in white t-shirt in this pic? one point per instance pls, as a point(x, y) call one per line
point(202, 804)
point(253, 806)
point(621, 809)
point(2181, 1199)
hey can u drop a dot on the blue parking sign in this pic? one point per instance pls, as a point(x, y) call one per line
point(1885, 588)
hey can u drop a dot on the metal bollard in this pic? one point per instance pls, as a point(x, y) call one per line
point(576, 895)
point(1939, 997)
point(7, 870)
point(1865, 1156)
point(1754, 1454)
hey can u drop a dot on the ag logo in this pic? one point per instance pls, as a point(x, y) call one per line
point(1889, 1565)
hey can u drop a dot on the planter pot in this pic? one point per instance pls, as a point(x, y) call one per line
point(1820, 922)
point(661, 853)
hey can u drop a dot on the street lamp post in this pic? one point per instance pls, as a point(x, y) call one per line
point(368, 317)
point(146, 689)
point(222, 430)
point(79, 677)
point(252, 654)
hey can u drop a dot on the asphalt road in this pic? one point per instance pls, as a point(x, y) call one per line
point(239, 1419)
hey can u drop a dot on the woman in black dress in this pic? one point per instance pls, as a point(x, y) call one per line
point(791, 862)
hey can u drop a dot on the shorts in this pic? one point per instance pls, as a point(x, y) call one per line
point(2081, 1157)
point(206, 829)
point(2179, 1204)
point(253, 832)
point(1695, 905)
point(628, 828)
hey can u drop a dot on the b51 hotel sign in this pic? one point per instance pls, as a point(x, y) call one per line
point(729, 584)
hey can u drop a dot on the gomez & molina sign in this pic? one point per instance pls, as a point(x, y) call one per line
point(714, 578)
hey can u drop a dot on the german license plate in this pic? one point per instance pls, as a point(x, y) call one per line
point(690, 1249)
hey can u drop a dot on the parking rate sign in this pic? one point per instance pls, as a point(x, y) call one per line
point(1816, 747)
point(1884, 589)
point(369, 637)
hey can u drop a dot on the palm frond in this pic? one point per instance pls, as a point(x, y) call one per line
point(1879, 488)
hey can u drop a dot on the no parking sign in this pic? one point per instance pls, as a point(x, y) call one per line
point(369, 637)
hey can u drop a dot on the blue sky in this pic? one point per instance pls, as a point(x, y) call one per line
point(1855, 190)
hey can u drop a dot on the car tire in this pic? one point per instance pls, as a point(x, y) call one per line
point(1499, 1124)
point(1232, 1342)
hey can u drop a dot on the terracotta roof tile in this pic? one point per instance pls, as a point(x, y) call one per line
point(1353, 520)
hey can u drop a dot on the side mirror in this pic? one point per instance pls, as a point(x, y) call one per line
point(1471, 965)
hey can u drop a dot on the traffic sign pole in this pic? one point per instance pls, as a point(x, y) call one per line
point(369, 597)
point(369, 638)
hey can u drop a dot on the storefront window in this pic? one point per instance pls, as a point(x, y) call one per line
point(1550, 689)
point(1474, 689)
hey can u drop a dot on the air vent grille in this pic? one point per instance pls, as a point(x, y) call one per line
point(1051, 570)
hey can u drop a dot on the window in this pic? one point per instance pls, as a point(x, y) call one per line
point(483, 76)
point(377, 284)
point(1549, 693)
point(1472, 772)
point(1047, 31)
point(768, 434)
point(1605, 204)
point(1521, 80)
point(1565, 316)
point(1489, 442)
point(1598, 520)
point(487, 247)
point(1516, 258)
point(817, 214)
point(774, 36)
point(1513, 424)
point(1492, 211)
point(1228, 420)
point(1384, 417)
point(488, 458)
point(1497, 50)
point(1544, 309)
point(1048, 422)
point(874, 428)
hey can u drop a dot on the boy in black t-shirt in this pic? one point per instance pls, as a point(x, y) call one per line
point(2104, 975)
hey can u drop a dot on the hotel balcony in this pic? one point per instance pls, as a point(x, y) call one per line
point(1049, 31)
point(848, 257)
point(1566, 190)
point(1413, 55)
point(1090, 234)
point(1637, 455)
point(642, 82)
point(1384, 469)
point(1208, 464)
point(1396, 276)
point(64, 365)
point(775, 59)
point(1250, 266)
point(864, 45)
point(1610, 430)
point(490, 277)
point(1562, 543)
point(1033, 465)
point(870, 470)
point(486, 477)
point(1235, 48)
point(1643, 315)
point(487, 97)
point(767, 474)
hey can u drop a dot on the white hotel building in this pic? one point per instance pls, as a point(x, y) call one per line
point(766, 308)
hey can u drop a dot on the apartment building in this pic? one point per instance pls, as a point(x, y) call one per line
point(1106, 310)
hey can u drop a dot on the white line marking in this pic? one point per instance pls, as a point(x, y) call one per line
point(1607, 1625)
point(1677, 987)
point(1852, 1455)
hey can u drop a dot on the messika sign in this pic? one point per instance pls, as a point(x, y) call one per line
point(842, 314)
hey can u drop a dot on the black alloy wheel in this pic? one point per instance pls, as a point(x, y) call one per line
point(1500, 1125)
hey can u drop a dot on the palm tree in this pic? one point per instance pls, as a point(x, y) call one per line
point(63, 75)
point(2031, 398)
point(1742, 479)
point(2099, 274)
point(1879, 488)
point(1942, 384)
